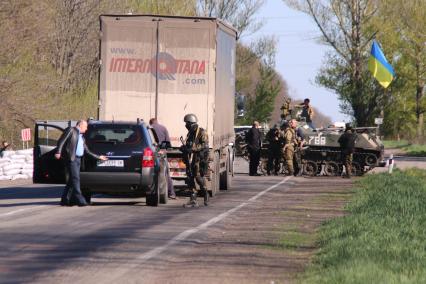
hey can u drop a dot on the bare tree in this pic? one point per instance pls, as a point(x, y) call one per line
point(240, 13)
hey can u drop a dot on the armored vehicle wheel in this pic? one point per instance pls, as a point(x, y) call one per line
point(332, 169)
point(310, 168)
point(370, 159)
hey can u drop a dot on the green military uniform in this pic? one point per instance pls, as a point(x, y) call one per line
point(197, 140)
point(290, 141)
point(347, 142)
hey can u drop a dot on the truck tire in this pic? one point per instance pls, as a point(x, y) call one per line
point(225, 177)
point(215, 175)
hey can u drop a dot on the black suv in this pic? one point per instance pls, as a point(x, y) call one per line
point(135, 164)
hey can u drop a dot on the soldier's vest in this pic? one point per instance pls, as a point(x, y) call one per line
point(195, 138)
point(290, 136)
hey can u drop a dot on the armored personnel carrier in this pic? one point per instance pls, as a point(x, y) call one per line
point(322, 155)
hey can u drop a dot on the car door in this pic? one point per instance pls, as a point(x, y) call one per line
point(47, 169)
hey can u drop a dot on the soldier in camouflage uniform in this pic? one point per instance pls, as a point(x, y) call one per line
point(197, 150)
point(290, 142)
point(347, 144)
point(285, 108)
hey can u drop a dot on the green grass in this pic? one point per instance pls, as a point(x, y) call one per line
point(415, 150)
point(383, 237)
point(395, 143)
point(409, 149)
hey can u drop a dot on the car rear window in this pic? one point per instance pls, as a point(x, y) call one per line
point(115, 134)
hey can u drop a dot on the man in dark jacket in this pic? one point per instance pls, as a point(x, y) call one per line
point(72, 147)
point(254, 142)
point(347, 144)
point(274, 150)
point(163, 136)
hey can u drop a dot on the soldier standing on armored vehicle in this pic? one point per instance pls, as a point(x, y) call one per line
point(347, 144)
point(285, 108)
point(196, 153)
point(308, 112)
point(290, 142)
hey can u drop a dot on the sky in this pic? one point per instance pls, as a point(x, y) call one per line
point(298, 57)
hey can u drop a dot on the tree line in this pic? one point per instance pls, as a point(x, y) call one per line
point(49, 57)
point(349, 26)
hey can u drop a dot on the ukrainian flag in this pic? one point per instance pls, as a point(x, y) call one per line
point(379, 66)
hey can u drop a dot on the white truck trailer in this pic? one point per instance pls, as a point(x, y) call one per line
point(166, 67)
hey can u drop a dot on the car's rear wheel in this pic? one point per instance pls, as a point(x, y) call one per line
point(153, 194)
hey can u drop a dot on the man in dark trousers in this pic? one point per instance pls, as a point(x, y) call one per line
point(274, 150)
point(347, 144)
point(254, 143)
point(163, 136)
point(72, 147)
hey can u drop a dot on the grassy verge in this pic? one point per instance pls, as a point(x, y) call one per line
point(383, 237)
point(409, 149)
point(415, 150)
point(395, 144)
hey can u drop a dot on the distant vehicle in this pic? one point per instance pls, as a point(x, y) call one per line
point(322, 155)
point(136, 164)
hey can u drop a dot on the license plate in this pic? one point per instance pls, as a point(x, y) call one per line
point(111, 163)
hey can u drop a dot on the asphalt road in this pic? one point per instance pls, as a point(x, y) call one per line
point(123, 240)
point(113, 240)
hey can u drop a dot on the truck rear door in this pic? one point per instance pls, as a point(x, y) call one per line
point(127, 74)
point(185, 70)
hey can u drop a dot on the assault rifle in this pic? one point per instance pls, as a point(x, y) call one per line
point(187, 159)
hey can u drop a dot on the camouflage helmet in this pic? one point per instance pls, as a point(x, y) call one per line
point(191, 118)
point(348, 126)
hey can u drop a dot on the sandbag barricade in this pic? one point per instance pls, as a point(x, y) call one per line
point(16, 165)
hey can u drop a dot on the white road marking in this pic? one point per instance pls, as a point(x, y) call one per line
point(182, 236)
point(21, 210)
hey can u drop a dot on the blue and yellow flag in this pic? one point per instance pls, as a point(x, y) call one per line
point(379, 66)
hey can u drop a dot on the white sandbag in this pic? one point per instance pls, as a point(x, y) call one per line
point(25, 152)
point(17, 157)
point(28, 166)
point(7, 154)
point(20, 177)
point(4, 161)
point(12, 166)
point(29, 159)
point(5, 177)
point(26, 171)
point(21, 162)
point(12, 172)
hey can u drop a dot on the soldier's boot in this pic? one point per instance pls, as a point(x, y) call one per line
point(192, 201)
point(206, 197)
